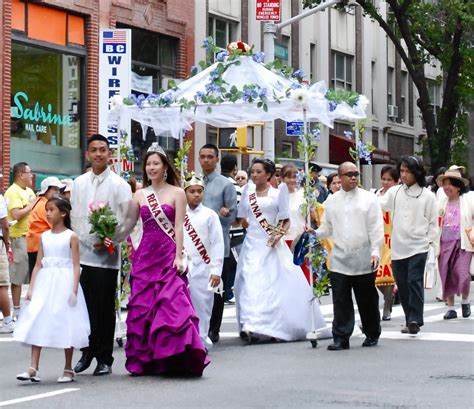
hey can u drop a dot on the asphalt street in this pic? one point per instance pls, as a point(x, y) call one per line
point(434, 369)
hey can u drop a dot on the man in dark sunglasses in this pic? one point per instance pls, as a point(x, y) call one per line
point(353, 219)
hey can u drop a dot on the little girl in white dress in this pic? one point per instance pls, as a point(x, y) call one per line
point(55, 314)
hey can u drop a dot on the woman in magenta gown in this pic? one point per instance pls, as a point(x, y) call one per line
point(162, 326)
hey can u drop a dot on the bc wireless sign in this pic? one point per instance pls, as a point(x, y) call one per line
point(115, 65)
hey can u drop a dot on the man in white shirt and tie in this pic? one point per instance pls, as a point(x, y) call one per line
point(99, 267)
point(415, 226)
point(353, 219)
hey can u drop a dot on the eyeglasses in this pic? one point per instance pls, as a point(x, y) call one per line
point(351, 174)
point(240, 178)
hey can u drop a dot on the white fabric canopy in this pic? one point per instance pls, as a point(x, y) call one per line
point(174, 119)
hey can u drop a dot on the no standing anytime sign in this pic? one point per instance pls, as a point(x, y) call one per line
point(268, 10)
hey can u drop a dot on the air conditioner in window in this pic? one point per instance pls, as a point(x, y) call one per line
point(392, 111)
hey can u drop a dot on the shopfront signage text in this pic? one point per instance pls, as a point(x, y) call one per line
point(115, 66)
point(40, 116)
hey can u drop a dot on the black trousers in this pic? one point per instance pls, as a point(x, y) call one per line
point(99, 286)
point(367, 299)
point(228, 277)
point(31, 262)
point(408, 273)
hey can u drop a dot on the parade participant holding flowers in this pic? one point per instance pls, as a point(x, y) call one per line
point(272, 296)
point(162, 325)
point(55, 313)
point(457, 239)
point(103, 191)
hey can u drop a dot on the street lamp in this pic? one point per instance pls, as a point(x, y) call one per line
point(270, 29)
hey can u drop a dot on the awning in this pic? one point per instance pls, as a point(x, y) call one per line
point(339, 151)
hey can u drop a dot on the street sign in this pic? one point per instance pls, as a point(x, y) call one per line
point(295, 128)
point(268, 10)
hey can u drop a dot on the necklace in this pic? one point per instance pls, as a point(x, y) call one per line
point(262, 191)
point(157, 191)
point(409, 194)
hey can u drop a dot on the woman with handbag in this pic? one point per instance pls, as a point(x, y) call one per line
point(456, 240)
point(272, 296)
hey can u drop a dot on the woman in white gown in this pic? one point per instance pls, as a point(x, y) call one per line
point(272, 296)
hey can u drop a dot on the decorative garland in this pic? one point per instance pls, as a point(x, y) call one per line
point(217, 90)
point(316, 254)
point(362, 150)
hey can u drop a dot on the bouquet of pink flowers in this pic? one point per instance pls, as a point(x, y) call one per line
point(103, 222)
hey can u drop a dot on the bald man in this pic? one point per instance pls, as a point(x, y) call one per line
point(353, 220)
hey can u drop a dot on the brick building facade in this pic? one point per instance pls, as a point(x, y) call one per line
point(51, 34)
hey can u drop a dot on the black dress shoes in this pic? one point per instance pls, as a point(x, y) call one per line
point(214, 336)
point(370, 342)
point(83, 363)
point(466, 310)
point(339, 346)
point(413, 328)
point(102, 369)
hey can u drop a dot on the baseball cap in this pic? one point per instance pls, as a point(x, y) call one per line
point(50, 181)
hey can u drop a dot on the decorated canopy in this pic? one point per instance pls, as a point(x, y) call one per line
point(235, 91)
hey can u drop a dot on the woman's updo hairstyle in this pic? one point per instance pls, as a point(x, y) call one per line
point(268, 166)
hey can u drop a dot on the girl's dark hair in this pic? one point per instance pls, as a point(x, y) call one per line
point(433, 184)
point(330, 178)
point(287, 169)
point(460, 185)
point(268, 166)
point(391, 170)
point(415, 166)
point(64, 205)
point(171, 177)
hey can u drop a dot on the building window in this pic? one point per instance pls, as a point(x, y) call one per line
point(222, 31)
point(434, 91)
point(153, 66)
point(342, 71)
point(390, 86)
point(28, 19)
point(286, 150)
point(403, 97)
point(45, 109)
point(312, 62)
point(282, 50)
point(372, 89)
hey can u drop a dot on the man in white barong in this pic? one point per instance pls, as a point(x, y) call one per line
point(204, 244)
point(353, 219)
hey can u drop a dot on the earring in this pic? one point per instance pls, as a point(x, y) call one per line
point(165, 175)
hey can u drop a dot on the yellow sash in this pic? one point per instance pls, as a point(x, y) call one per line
point(384, 273)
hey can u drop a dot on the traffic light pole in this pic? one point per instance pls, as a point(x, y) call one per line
point(270, 30)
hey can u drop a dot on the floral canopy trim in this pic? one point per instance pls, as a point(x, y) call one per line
point(216, 87)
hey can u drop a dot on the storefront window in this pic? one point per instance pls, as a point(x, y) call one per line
point(45, 109)
point(153, 66)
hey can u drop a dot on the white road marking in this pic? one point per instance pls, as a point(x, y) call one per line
point(429, 336)
point(39, 396)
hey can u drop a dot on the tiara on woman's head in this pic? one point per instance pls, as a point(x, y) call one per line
point(154, 147)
